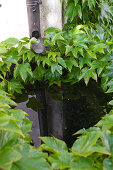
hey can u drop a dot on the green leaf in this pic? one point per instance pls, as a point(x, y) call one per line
point(61, 160)
point(39, 72)
point(108, 164)
point(83, 61)
point(56, 67)
point(5, 99)
point(98, 48)
point(7, 157)
point(11, 60)
point(51, 30)
point(108, 72)
point(73, 14)
point(106, 122)
point(10, 42)
point(111, 102)
point(61, 61)
point(24, 70)
point(31, 164)
point(52, 77)
point(53, 145)
point(3, 50)
point(69, 65)
point(52, 55)
point(82, 163)
point(91, 3)
point(68, 49)
point(57, 37)
point(14, 86)
point(45, 61)
point(87, 73)
point(79, 10)
point(30, 55)
point(8, 123)
point(16, 71)
point(31, 159)
point(69, 9)
point(76, 1)
point(108, 141)
point(84, 145)
point(92, 54)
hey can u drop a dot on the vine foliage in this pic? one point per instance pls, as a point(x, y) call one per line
point(82, 50)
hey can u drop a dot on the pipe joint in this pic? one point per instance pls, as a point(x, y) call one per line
point(33, 2)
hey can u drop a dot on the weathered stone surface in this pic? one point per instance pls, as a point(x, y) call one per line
point(33, 116)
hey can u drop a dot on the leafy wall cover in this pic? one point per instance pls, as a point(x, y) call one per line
point(82, 50)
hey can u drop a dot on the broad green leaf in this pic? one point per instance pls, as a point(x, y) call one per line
point(108, 164)
point(111, 102)
point(61, 160)
point(82, 163)
point(24, 70)
point(108, 72)
point(76, 1)
point(92, 54)
point(56, 67)
point(16, 71)
point(73, 13)
point(3, 50)
point(78, 8)
point(11, 60)
point(61, 61)
point(85, 131)
point(84, 145)
point(108, 141)
point(68, 49)
point(106, 122)
point(57, 37)
point(52, 77)
point(7, 157)
point(73, 75)
point(39, 72)
point(5, 99)
point(83, 61)
point(8, 123)
point(30, 55)
point(31, 164)
point(69, 9)
point(14, 86)
point(91, 3)
point(52, 55)
point(11, 42)
point(110, 90)
point(69, 65)
point(51, 30)
point(18, 114)
point(28, 151)
point(106, 11)
point(31, 159)
point(75, 51)
point(98, 48)
point(88, 73)
point(53, 145)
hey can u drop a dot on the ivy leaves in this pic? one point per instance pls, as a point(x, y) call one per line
point(66, 52)
point(93, 144)
point(23, 69)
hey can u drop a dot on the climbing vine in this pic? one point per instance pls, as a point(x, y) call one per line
point(82, 50)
